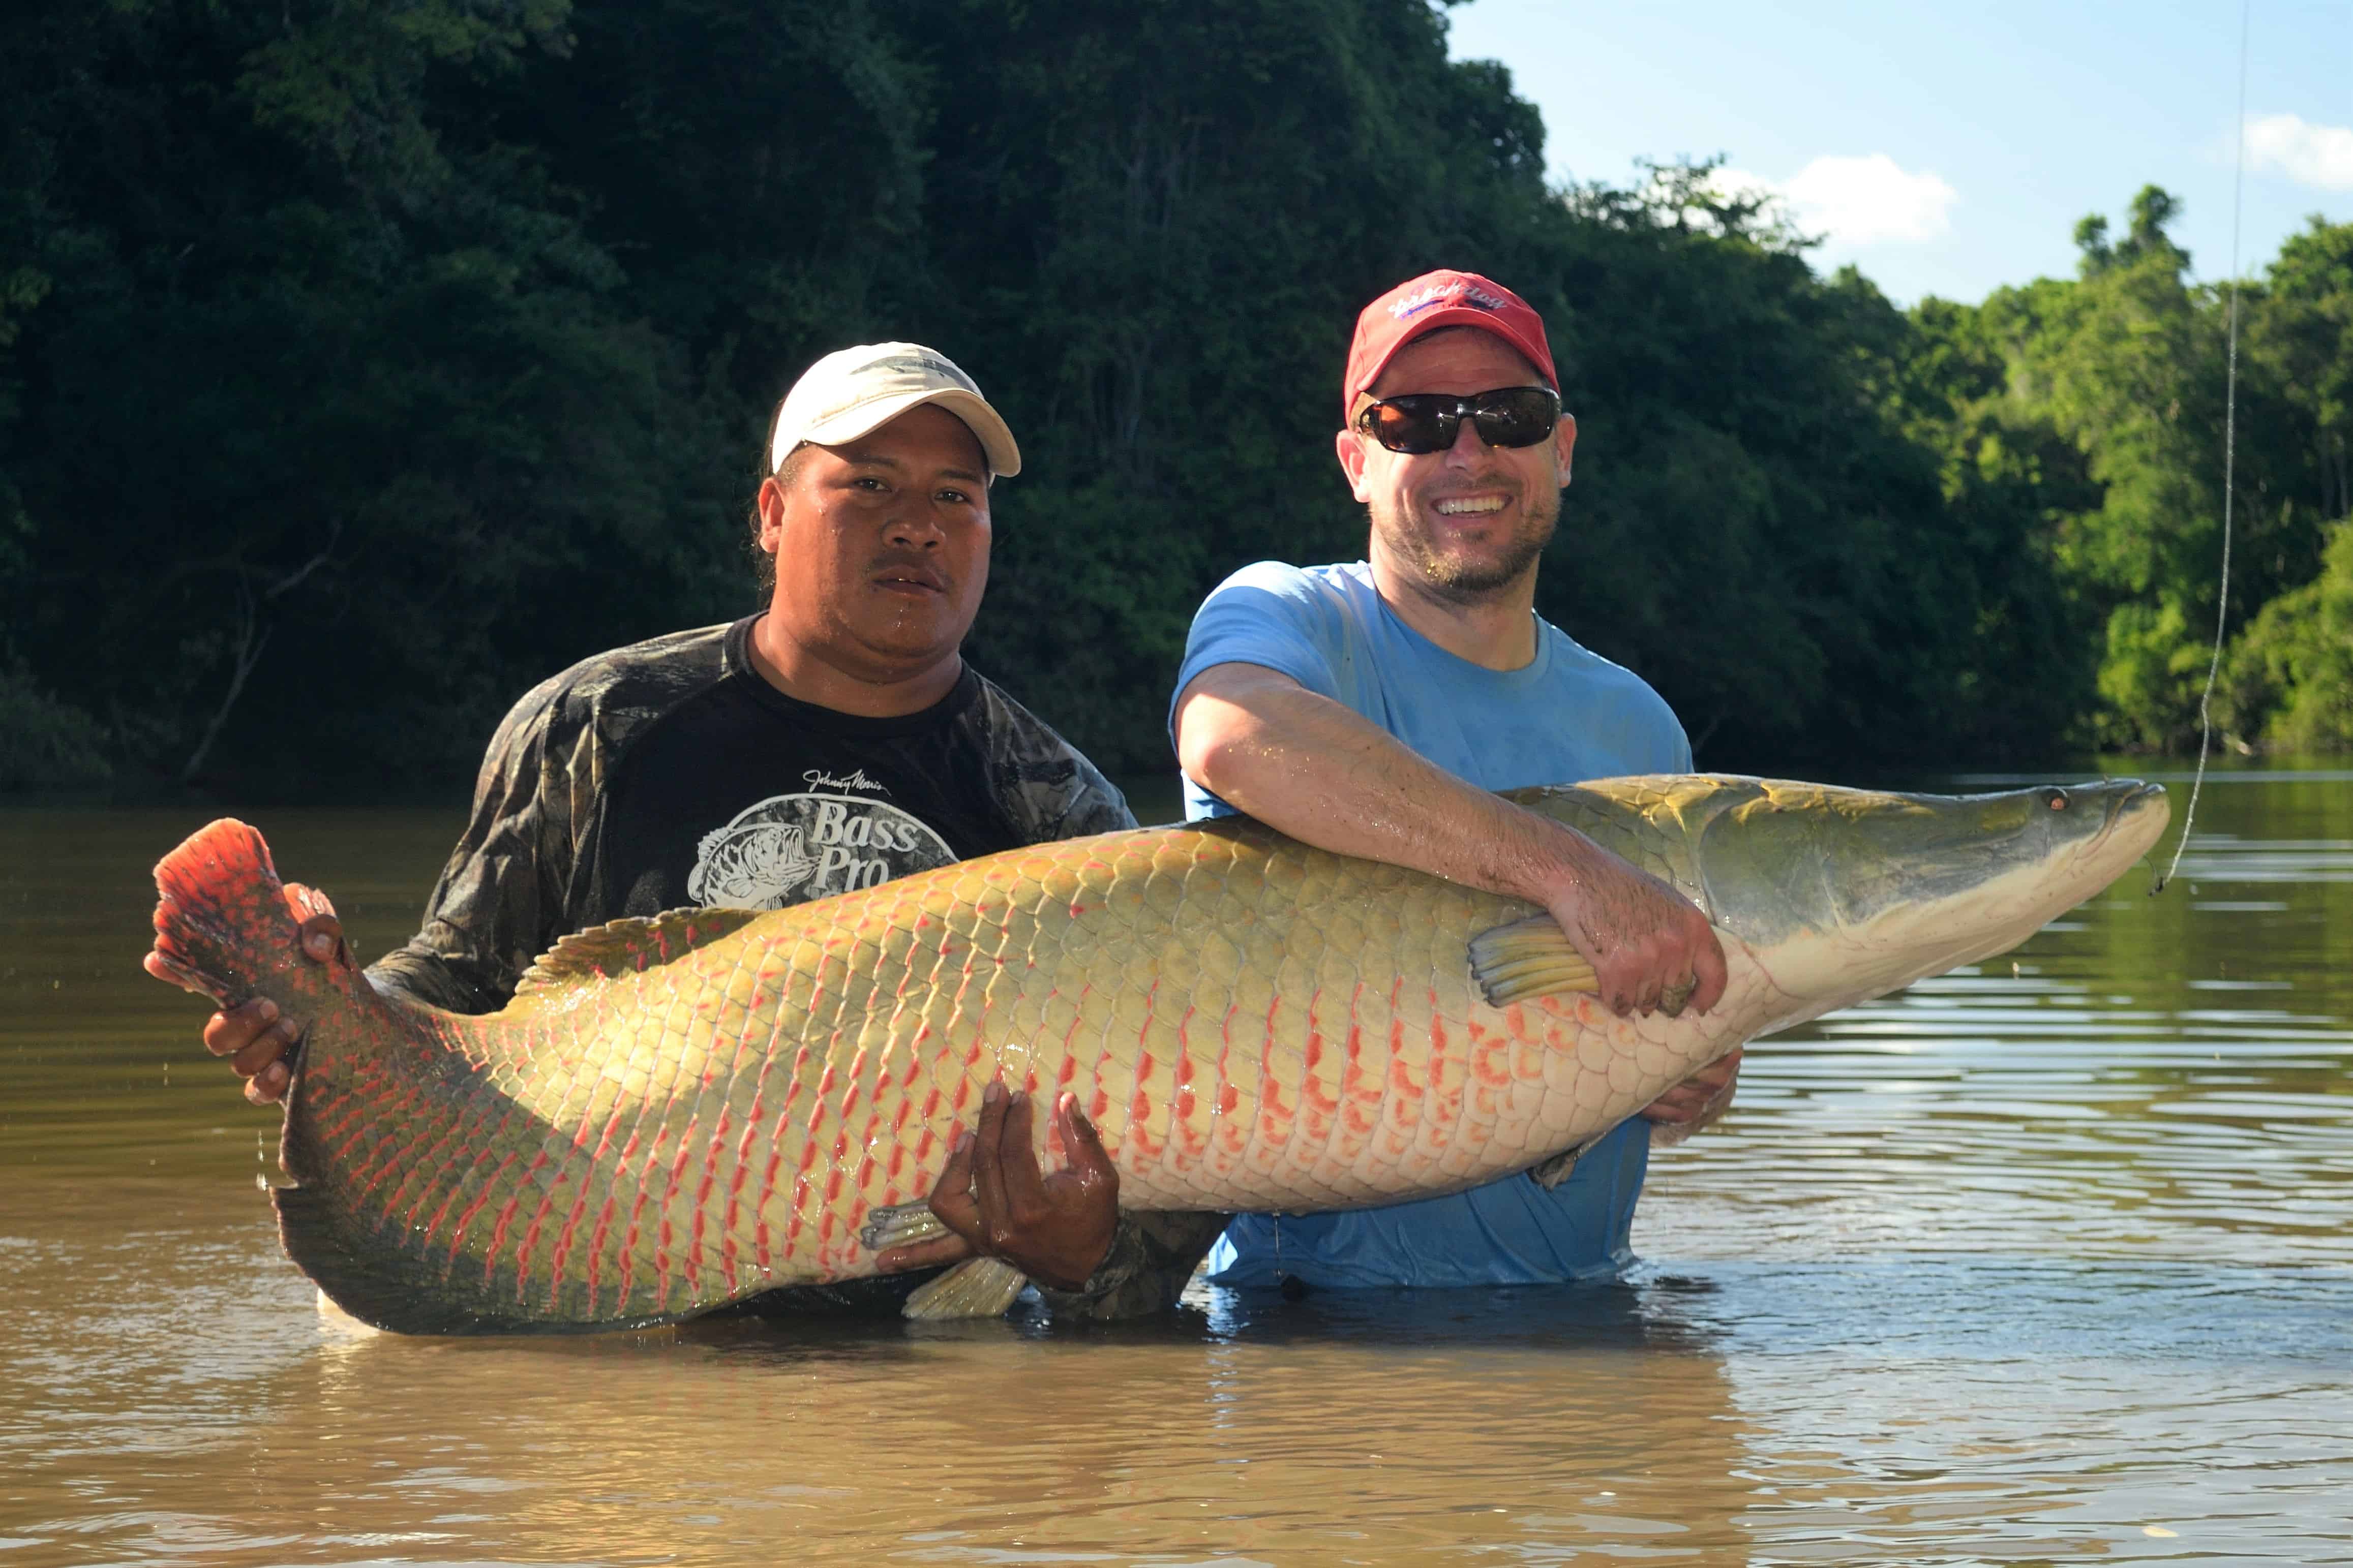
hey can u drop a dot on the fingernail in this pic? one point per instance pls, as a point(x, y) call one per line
point(993, 1093)
point(269, 1009)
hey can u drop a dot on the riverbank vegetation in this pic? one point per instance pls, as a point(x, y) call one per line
point(361, 366)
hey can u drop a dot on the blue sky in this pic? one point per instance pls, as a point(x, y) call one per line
point(1950, 149)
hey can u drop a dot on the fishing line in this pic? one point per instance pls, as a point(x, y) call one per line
point(2229, 472)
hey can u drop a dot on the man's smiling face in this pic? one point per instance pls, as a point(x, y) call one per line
point(881, 545)
point(1470, 520)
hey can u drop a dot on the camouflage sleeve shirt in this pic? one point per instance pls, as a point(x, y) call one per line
point(670, 773)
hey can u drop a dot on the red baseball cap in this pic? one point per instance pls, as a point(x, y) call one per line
point(1442, 298)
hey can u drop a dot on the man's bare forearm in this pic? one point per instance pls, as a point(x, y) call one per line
point(1318, 771)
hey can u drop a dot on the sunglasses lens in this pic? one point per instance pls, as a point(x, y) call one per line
point(1416, 423)
point(1517, 416)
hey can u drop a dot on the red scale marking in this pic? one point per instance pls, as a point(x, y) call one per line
point(531, 1233)
point(428, 1167)
point(393, 1115)
point(690, 1261)
point(1139, 1128)
point(612, 1125)
point(638, 1209)
point(776, 1147)
point(743, 1163)
point(457, 1237)
point(1274, 1118)
point(800, 1196)
point(1486, 1053)
point(596, 1248)
point(498, 1239)
point(1222, 1130)
point(563, 1253)
point(662, 1265)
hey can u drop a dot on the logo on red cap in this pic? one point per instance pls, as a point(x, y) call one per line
point(1461, 291)
point(1442, 299)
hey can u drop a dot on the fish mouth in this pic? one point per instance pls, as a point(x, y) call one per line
point(2131, 802)
point(2137, 815)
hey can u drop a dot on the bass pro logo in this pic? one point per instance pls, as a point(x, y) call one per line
point(790, 848)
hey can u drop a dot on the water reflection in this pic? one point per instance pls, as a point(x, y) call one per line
point(2046, 1259)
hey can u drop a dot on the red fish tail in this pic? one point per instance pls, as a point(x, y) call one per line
point(223, 918)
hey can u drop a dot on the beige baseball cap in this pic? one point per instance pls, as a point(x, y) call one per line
point(852, 391)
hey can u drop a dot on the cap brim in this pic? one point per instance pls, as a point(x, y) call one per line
point(1457, 316)
point(996, 444)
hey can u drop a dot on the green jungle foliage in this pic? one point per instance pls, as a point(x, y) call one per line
point(362, 365)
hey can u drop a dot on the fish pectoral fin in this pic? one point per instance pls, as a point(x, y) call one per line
point(902, 1224)
point(1532, 957)
point(628, 946)
point(976, 1288)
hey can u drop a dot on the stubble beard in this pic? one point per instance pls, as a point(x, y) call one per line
point(1465, 581)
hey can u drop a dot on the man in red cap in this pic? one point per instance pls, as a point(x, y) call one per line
point(1374, 708)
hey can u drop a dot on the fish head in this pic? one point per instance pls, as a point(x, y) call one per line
point(1846, 894)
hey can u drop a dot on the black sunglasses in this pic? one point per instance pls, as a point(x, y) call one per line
point(1419, 422)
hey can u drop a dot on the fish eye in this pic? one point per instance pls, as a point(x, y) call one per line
point(2056, 800)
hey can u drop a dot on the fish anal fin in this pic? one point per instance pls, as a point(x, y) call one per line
point(1525, 958)
point(976, 1288)
point(901, 1226)
point(629, 947)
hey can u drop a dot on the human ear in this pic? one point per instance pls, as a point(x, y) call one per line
point(1564, 442)
point(1350, 446)
point(772, 513)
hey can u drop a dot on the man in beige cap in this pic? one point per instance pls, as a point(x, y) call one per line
point(833, 740)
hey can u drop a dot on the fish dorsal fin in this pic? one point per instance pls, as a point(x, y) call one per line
point(1527, 958)
point(628, 947)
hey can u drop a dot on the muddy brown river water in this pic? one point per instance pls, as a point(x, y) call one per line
point(2047, 1260)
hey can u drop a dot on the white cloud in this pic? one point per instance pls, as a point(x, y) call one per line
point(1854, 201)
point(2316, 155)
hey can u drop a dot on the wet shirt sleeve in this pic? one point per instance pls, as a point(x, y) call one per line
point(500, 899)
point(1270, 615)
point(1151, 1258)
point(1275, 617)
point(1045, 788)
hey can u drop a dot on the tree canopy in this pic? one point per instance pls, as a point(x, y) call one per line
point(361, 367)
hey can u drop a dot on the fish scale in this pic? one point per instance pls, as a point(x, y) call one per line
point(678, 1113)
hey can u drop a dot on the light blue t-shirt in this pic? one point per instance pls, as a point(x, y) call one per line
point(1567, 715)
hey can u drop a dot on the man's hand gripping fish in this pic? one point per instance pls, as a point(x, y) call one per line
point(677, 1113)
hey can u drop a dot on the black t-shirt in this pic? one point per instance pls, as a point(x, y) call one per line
point(670, 773)
point(744, 797)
